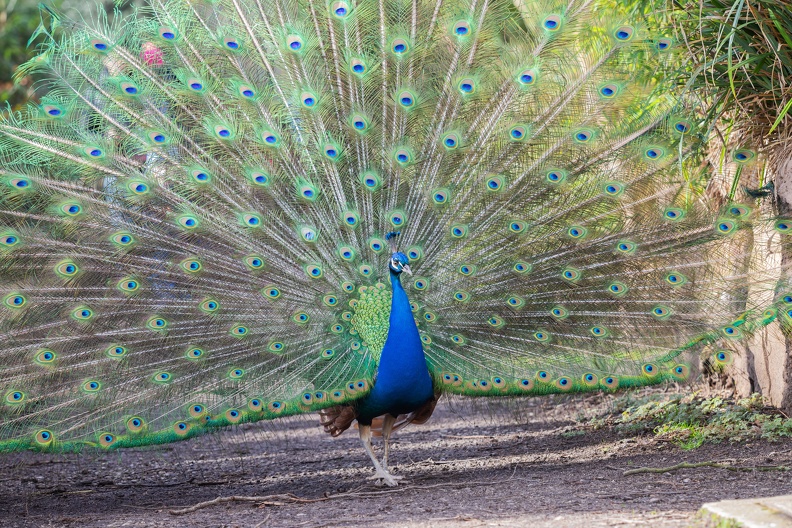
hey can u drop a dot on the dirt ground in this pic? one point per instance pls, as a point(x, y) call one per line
point(496, 465)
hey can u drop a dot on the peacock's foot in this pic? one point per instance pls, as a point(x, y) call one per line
point(382, 477)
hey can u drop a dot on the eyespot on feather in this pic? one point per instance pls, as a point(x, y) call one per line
point(191, 265)
point(91, 386)
point(406, 99)
point(564, 384)
point(200, 176)
point(44, 438)
point(358, 67)
point(232, 44)
point(239, 331)
point(157, 324)
point(617, 288)
point(613, 189)
point(583, 136)
point(14, 397)
point(123, 239)
point(626, 247)
point(167, 33)
point(467, 270)
point(571, 274)
point(577, 232)
point(255, 404)
point(66, 269)
point(209, 306)
point(526, 384)
point(461, 29)
point(467, 86)
point(552, 23)
point(459, 231)
point(53, 111)
point(518, 133)
point(723, 357)
point(116, 351)
point(194, 353)
point(609, 90)
point(661, 312)
point(135, 424)
point(743, 155)
point(495, 184)
point(680, 372)
point(673, 214)
point(128, 285)
point(254, 262)
point(400, 47)
point(182, 428)
point(397, 218)
point(521, 267)
point(676, 279)
point(340, 10)
point(555, 176)
point(450, 141)
point(294, 43)
point(517, 226)
point(526, 78)
point(45, 357)
point(663, 44)
point(82, 314)
point(624, 33)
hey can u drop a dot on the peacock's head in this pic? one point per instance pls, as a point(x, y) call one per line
point(399, 262)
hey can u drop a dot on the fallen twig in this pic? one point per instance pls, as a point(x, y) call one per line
point(267, 500)
point(262, 523)
point(711, 463)
point(286, 498)
point(468, 437)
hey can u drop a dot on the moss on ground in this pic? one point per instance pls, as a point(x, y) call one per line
point(689, 421)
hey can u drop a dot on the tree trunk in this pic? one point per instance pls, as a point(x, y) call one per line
point(766, 363)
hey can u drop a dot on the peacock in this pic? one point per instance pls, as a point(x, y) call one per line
point(225, 211)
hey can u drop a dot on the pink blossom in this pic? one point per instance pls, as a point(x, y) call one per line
point(151, 54)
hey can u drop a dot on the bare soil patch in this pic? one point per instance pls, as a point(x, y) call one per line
point(527, 463)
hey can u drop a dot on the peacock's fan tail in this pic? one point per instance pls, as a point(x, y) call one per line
point(194, 218)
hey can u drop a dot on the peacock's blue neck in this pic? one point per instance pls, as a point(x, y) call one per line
point(403, 382)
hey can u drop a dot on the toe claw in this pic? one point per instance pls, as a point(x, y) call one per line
point(383, 477)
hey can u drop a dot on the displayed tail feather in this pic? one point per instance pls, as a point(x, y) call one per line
point(193, 219)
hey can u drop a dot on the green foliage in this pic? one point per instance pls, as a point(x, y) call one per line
point(743, 53)
point(18, 21)
point(738, 61)
point(691, 421)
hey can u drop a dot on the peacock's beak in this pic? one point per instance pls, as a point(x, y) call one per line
point(407, 269)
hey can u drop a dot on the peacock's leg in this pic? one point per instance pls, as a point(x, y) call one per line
point(381, 473)
point(387, 427)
